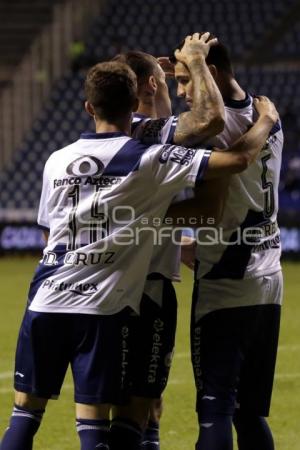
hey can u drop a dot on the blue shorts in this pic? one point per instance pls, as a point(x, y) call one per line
point(96, 347)
point(234, 354)
point(154, 339)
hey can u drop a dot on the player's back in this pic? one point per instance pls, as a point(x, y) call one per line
point(247, 242)
point(97, 195)
point(85, 204)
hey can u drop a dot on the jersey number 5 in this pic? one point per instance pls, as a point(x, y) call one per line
point(269, 202)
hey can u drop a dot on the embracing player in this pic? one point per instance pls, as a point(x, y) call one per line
point(153, 123)
point(238, 292)
point(161, 261)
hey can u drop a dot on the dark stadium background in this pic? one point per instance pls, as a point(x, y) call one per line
point(46, 46)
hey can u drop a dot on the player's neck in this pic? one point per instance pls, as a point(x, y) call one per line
point(147, 109)
point(231, 90)
point(122, 126)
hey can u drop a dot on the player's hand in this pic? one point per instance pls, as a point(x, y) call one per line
point(195, 47)
point(188, 251)
point(265, 107)
point(167, 66)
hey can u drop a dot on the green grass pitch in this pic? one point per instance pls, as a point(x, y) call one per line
point(179, 428)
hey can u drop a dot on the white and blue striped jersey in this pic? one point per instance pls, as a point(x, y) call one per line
point(166, 254)
point(99, 198)
point(247, 244)
point(153, 131)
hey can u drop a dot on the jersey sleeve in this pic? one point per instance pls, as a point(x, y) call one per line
point(43, 216)
point(176, 168)
point(154, 131)
point(185, 194)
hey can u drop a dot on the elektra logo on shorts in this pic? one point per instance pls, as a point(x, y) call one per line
point(84, 289)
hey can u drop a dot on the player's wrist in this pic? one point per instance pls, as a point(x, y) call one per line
point(195, 60)
point(267, 119)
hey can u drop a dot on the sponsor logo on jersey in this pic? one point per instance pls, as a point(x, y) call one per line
point(270, 228)
point(165, 153)
point(104, 182)
point(178, 155)
point(83, 289)
point(256, 234)
point(268, 245)
point(85, 166)
point(66, 181)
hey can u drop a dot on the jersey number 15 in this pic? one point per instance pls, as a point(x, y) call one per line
point(97, 227)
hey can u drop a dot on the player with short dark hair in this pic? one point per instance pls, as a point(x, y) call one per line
point(218, 55)
point(209, 192)
point(111, 89)
point(206, 117)
point(96, 193)
point(153, 91)
point(238, 292)
point(152, 123)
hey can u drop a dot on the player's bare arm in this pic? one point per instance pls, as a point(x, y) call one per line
point(246, 149)
point(206, 117)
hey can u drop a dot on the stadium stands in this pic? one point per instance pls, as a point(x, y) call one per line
point(23, 21)
point(289, 46)
point(156, 28)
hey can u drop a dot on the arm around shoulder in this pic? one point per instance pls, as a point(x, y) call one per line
point(246, 149)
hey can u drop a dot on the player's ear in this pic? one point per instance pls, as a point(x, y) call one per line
point(152, 84)
point(213, 70)
point(89, 108)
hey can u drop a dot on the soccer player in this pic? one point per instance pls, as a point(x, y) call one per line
point(204, 120)
point(96, 194)
point(238, 292)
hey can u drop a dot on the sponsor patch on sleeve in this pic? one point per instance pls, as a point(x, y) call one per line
point(178, 155)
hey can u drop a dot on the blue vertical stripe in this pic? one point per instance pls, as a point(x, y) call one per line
point(235, 259)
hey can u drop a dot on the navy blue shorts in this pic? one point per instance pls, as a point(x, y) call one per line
point(154, 339)
point(96, 347)
point(234, 354)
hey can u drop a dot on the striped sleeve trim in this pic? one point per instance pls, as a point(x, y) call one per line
point(203, 166)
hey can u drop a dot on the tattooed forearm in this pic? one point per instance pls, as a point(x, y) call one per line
point(206, 117)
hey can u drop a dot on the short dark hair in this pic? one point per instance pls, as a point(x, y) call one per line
point(111, 88)
point(143, 64)
point(218, 55)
